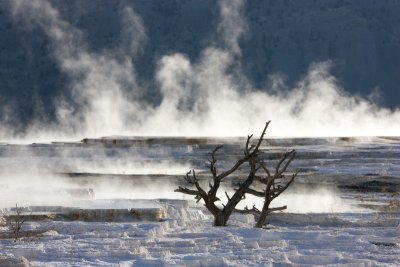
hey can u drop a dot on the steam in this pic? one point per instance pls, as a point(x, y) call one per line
point(232, 25)
point(71, 175)
point(97, 79)
point(40, 189)
point(208, 97)
point(316, 200)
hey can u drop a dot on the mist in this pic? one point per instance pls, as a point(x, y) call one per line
point(207, 97)
point(71, 175)
point(52, 189)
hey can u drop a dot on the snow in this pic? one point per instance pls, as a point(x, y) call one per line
point(344, 212)
point(187, 238)
point(291, 239)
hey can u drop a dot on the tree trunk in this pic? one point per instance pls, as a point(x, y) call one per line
point(219, 219)
point(263, 214)
point(252, 157)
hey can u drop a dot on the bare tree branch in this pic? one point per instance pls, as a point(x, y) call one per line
point(281, 189)
point(247, 149)
point(271, 190)
point(256, 212)
point(289, 156)
point(254, 192)
point(213, 160)
point(261, 137)
point(247, 156)
point(262, 166)
point(16, 225)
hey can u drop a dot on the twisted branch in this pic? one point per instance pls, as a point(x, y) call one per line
point(251, 155)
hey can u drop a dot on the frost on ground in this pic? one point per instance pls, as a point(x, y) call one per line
point(187, 238)
point(342, 210)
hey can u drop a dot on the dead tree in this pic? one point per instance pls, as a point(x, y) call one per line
point(252, 157)
point(274, 185)
point(16, 224)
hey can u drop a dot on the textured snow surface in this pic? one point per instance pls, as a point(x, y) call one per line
point(343, 208)
point(188, 239)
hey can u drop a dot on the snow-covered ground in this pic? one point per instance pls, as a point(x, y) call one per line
point(188, 239)
point(342, 210)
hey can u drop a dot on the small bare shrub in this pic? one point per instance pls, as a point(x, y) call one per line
point(16, 222)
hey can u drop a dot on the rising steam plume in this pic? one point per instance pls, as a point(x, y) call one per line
point(206, 97)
